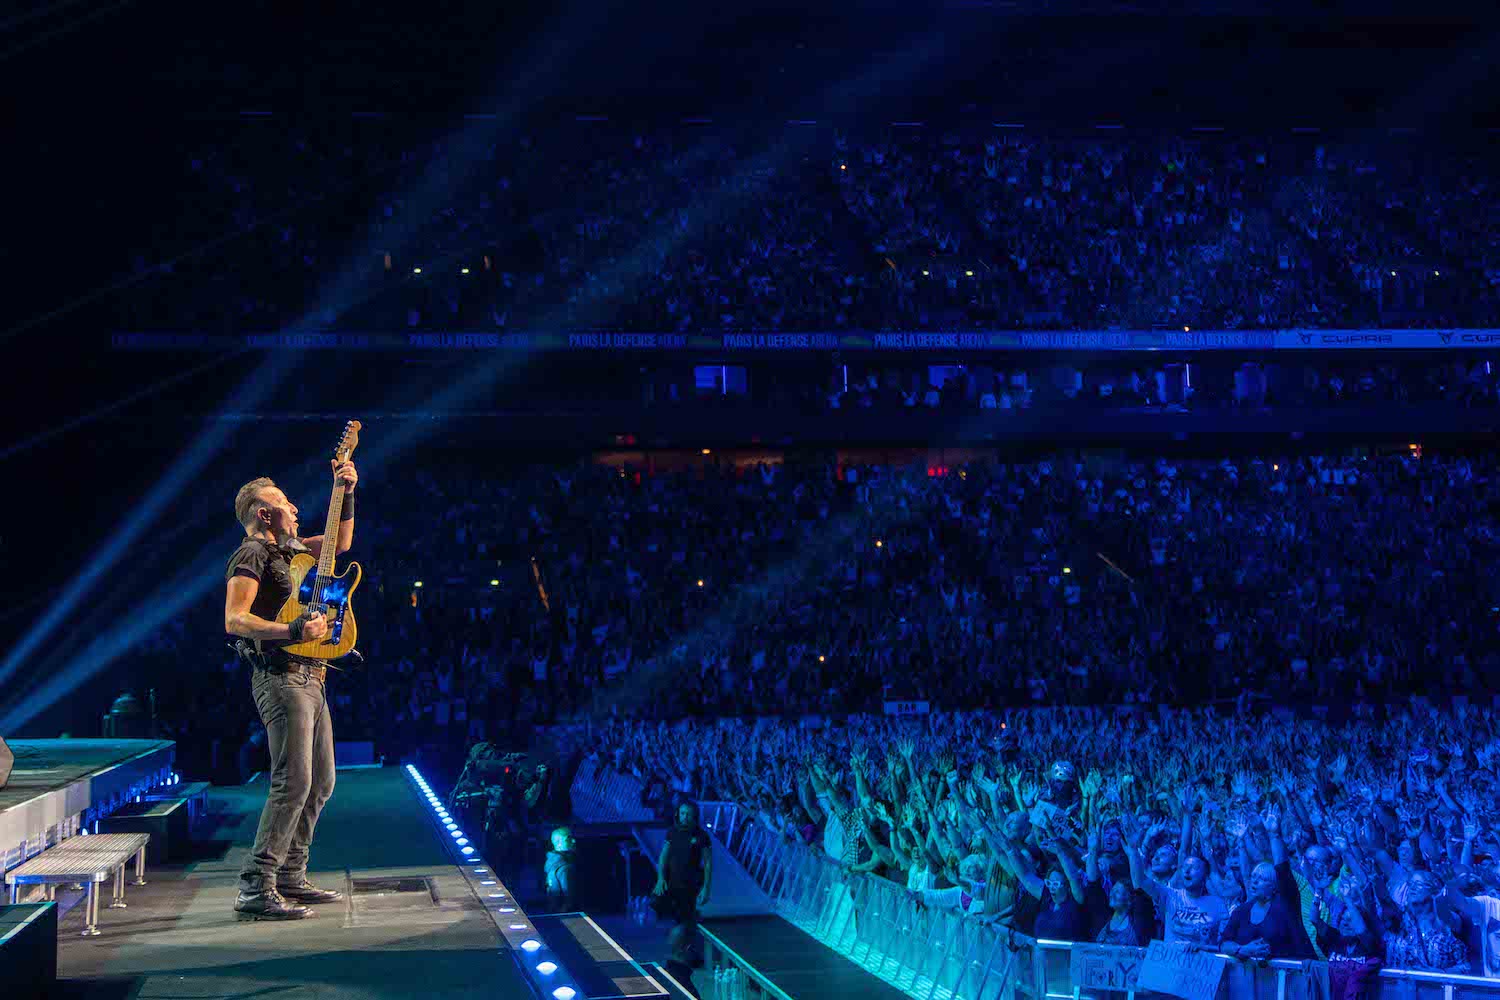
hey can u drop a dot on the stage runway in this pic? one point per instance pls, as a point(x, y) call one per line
point(179, 938)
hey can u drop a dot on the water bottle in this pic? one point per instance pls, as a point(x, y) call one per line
point(719, 992)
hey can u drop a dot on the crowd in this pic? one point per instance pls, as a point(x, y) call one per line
point(815, 587)
point(591, 226)
point(1237, 703)
point(1371, 844)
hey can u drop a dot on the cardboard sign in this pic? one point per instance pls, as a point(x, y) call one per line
point(1101, 967)
point(1043, 813)
point(1180, 971)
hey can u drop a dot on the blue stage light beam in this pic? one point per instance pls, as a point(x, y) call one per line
point(255, 387)
point(891, 72)
point(895, 71)
point(180, 593)
point(343, 292)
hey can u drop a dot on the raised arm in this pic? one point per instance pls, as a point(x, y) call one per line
point(1070, 869)
point(861, 783)
point(1140, 876)
point(809, 799)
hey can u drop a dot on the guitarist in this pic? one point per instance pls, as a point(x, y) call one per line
point(289, 696)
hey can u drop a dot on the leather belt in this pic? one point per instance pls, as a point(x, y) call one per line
point(317, 672)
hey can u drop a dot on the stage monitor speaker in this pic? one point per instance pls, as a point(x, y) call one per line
point(7, 761)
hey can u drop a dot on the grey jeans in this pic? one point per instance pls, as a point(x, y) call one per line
point(299, 734)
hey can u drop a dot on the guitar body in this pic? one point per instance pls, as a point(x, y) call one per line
point(337, 591)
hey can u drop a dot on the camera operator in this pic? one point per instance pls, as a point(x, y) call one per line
point(469, 797)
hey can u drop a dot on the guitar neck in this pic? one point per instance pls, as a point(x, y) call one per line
point(331, 531)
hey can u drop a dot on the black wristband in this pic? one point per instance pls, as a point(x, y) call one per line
point(347, 513)
point(294, 627)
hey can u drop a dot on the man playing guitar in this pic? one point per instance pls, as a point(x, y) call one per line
point(289, 695)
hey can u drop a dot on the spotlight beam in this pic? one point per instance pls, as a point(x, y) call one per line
point(149, 511)
point(342, 292)
point(633, 269)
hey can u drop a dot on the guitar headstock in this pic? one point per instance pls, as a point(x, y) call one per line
point(348, 441)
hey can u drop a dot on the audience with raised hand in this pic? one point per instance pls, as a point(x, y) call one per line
point(1001, 829)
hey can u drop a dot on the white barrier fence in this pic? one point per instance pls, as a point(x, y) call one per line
point(934, 954)
point(940, 955)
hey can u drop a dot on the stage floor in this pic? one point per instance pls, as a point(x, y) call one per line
point(179, 937)
point(52, 765)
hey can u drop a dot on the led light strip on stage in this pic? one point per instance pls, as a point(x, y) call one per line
point(526, 945)
point(614, 974)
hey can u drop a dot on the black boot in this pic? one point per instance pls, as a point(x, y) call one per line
point(263, 902)
point(303, 891)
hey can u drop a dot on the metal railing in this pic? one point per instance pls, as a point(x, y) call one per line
point(733, 977)
point(721, 819)
point(937, 954)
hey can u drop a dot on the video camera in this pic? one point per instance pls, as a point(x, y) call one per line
point(495, 774)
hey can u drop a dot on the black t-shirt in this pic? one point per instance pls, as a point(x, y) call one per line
point(271, 565)
point(1278, 928)
point(685, 847)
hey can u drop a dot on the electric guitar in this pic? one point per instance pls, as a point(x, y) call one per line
point(322, 591)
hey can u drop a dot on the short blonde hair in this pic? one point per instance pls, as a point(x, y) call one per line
point(248, 498)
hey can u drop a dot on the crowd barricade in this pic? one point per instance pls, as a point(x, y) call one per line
point(603, 796)
point(937, 954)
point(933, 953)
point(925, 952)
point(721, 819)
